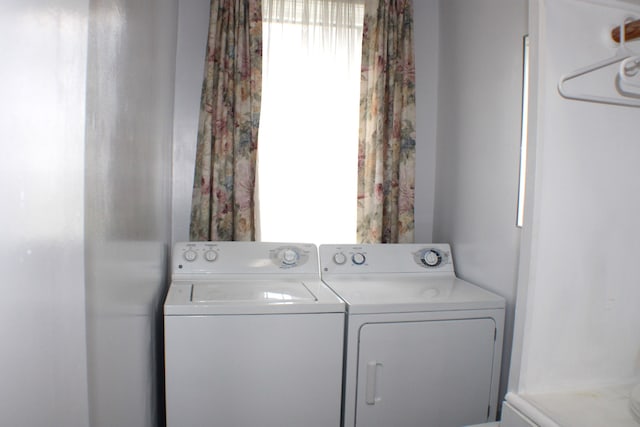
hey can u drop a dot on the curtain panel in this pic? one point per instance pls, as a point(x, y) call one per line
point(223, 206)
point(386, 146)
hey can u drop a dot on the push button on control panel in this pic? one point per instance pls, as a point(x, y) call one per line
point(211, 255)
point(190, 255)
point(339, 258)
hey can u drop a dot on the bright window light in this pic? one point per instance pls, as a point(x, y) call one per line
point(524, 134)
point(308, 138)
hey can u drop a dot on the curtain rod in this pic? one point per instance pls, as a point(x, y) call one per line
point(631, 31)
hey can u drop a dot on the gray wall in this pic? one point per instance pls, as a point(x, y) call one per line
point(427, 43)
point(478, 148)
point(130, 74)
point(192, 43)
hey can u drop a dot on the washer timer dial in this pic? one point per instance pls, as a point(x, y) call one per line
point(289, 256)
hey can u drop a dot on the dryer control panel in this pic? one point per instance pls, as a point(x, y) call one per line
point(386, 258)
point(432, 257)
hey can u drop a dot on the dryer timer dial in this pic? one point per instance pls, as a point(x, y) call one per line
point(431, 258)
point(358, 258)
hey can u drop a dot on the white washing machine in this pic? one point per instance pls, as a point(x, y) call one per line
point(423, 348)
point(252, 337)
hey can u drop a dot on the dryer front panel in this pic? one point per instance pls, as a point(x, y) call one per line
point(425, 373)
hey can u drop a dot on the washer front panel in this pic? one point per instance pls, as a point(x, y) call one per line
point(268, 371)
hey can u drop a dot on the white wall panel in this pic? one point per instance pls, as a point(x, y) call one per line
point(582, 314)
point(130, 75)
point(42, 110)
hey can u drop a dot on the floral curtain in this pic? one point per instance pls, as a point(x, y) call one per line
point(223, 205)
point(386, 156)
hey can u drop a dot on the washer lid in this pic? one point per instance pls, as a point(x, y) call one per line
point(396, 294)
point(249, 292)
point(251, 297)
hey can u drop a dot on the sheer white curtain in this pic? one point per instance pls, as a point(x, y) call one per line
point(334, 26)
point(308, 138)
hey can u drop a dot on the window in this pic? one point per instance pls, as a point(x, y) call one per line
point(308, 142)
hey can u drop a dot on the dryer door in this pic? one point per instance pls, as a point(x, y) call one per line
point(425, 374)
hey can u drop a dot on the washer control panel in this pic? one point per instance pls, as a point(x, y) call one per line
point(198, 258)
point(289, 256)
point(192, 254)
point(386, 258)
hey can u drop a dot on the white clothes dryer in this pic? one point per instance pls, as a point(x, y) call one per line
point(423, 347)
point(252, 337)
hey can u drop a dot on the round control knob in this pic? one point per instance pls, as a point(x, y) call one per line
point(431, 258)
point(358, 258)
point(339, 258)
point(289, 256)
point(211, 255)
point(190, 255)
